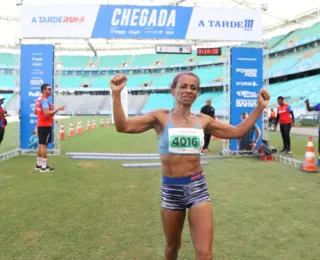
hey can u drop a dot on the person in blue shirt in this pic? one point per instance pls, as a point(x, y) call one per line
point(249, 141)
point(315, 108)
point(33, 140)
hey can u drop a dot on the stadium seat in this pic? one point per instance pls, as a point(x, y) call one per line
point(74, 61)
point(7, 81)
point(8, 60)
point(114, 61)
point(70, 81)
point(145, 60)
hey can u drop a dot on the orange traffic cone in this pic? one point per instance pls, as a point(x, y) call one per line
point(310, 162)
point(94, 126)
point(101, 123)
point(88, 126)
point(71, 130)
point(62, 134)
point(80, 122)
point(78, 128)
point(108, 121)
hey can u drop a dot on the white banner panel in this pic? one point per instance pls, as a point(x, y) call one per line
point(59, 21)
point(223, 24)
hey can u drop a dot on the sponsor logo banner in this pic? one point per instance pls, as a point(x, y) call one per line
point(246, 82)
point(36, 69)
point(58, 21)
point(141, 22)
point(225, 24)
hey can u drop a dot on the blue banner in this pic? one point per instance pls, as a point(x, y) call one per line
point(246, 82)
point(137, 22)
point(36, 68)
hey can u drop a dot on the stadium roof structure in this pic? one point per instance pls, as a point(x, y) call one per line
point(278, 17)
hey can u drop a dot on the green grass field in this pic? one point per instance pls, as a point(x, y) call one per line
point(99, 210)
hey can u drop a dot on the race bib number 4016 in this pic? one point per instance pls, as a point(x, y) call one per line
point(185, 140)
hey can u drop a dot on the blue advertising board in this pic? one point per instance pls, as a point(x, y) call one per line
point(142, 22)
point(36, 68)
point(246, 81)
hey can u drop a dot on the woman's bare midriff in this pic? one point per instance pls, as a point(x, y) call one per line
point(176, 166)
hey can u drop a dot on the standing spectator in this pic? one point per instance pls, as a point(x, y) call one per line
point(45, 112)
point(315, 108)
point(286, 117)
point(208, 110)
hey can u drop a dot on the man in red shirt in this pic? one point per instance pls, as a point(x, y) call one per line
point(286, 117)
point(3, 113)
point(45, 112)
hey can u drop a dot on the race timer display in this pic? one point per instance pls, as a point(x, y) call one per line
point(208, 51)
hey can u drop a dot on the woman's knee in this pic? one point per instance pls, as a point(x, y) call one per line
point(204, 253)
point(173, 247)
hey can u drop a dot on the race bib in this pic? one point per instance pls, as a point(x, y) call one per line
point(185, 140)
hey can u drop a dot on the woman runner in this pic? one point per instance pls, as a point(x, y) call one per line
point(180, 139)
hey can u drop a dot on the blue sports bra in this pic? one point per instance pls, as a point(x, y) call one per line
point(163, 140)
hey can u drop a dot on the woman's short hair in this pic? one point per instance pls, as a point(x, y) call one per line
point(178, 76)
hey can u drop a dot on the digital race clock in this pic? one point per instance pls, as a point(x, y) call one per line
point(209, 51)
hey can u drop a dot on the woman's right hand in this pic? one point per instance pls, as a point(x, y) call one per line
point(118, 82)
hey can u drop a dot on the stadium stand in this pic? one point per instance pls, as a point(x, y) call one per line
point(166, 101)
point(74, 61)
point(12, 104)
point(298, 37)
point(70, 82)
point(94, 104)
point(7, 81)
point(293, 90)
point(113, 61)
point(284, 64)
point(290, 54)
point(7, 60)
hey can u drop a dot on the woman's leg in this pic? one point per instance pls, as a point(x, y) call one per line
point(173, 225)
point(201, 229)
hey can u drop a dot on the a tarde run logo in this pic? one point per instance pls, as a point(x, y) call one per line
point(58, 19)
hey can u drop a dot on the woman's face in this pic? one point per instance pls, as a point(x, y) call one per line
point(186, 90)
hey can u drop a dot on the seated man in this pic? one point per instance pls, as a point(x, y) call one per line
point(249, 141)
point(272, 116)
